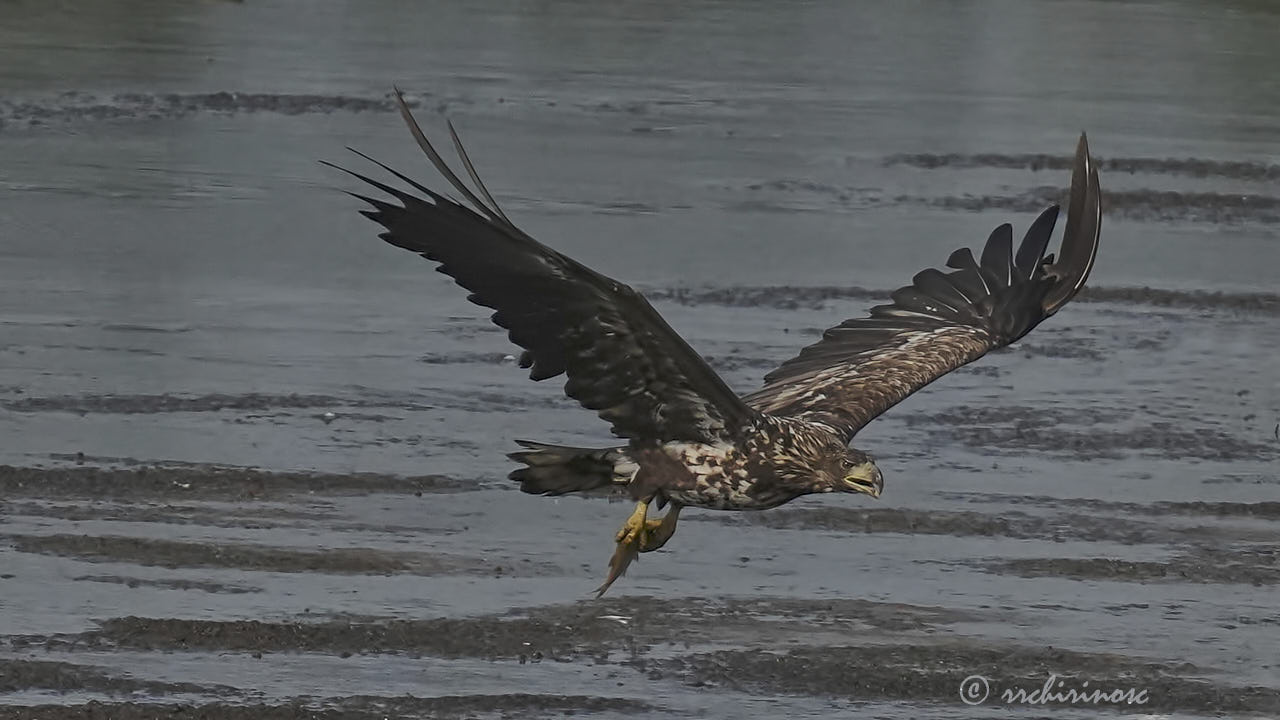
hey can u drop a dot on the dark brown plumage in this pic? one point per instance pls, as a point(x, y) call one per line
point(691, 439)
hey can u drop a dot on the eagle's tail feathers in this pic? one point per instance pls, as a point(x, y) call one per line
point(558, 469)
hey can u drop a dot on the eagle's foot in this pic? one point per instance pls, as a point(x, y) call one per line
point(635, 526)
point(638, 535)
point(658, 532)
point(630, 539)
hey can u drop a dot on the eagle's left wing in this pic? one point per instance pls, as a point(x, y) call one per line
point(619, 356)
point(941, 321)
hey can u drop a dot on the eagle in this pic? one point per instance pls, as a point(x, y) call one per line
point(690, 439)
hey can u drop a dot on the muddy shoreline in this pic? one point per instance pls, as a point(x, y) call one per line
point(635, 636)
point(254, 461)
point(848, 649)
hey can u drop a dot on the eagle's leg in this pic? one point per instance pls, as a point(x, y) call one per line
point(630, 539)
point(658, 532)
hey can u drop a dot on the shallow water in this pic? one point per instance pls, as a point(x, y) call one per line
point(182, 284)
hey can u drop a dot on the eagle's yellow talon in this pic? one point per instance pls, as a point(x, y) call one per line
point(630, 540)
point(639, 535)
point(658, 532)
point(634, 526)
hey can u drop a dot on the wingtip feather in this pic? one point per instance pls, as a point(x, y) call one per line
point(438, 162)
point(1084, 226)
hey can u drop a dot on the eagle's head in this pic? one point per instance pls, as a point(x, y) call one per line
point(858, 473)
point(811, 459)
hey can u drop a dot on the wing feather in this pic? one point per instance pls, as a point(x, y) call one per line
point(619, 356)
point(1035, 242)
point(941, 321)
point(997, 255)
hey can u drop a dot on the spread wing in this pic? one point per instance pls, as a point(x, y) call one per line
point(941, 321)
point(620, 357)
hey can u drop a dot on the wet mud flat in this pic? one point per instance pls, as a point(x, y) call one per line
point(184, 298)
point(1095, 507)
point(350, 708)
point(208, 592)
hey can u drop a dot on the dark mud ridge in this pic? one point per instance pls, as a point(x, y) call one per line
point(1209, 567)
point(1096, 434)
point(1065, 527)
point(18, 675)
point(84, 107)
point(761, 646)
point(170, 403)
point(936, 672)
point(1266, 509)
point(169, 584)
point(1191, 167)
point(560, 632)
point(341, 561)
point(258, 405)
point(246, 515)
point(799, 297)
point(367, 707)
point(1142, 205)
point(204, 482)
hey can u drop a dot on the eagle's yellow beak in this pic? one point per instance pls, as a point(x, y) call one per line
point(865, 478)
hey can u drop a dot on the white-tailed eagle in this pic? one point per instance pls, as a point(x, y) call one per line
point(692, 440)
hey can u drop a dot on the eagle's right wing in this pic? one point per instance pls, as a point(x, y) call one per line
point(621, 358)
point(941, 321)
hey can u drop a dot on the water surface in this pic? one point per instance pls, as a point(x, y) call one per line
point(181, 283)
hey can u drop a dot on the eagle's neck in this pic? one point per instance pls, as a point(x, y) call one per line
point(799, 454)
